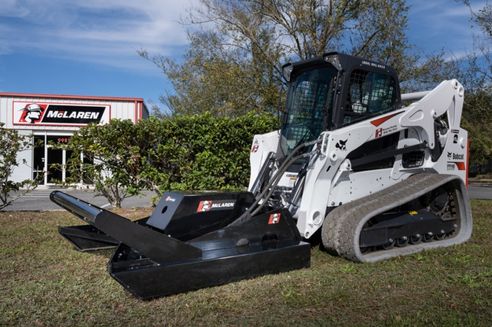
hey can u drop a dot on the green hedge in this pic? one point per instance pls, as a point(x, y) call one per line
point(199, 152)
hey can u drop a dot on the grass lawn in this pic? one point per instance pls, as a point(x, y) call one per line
point(43, 281)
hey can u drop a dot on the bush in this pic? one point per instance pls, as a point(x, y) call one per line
point(10, 144)
point(199, 152)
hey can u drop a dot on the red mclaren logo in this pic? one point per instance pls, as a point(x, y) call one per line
point(274, 218)
point(32, 113)
point(255, 147)
point(204, 206)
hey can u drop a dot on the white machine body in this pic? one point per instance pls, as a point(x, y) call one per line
point(330, 179)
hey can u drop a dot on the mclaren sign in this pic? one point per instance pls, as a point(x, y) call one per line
point(58, 114)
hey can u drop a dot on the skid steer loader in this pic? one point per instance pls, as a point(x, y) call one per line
point(377, 179)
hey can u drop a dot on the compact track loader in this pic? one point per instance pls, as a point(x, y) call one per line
point(377, 179)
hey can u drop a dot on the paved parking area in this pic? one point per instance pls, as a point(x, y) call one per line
point(480, 192)
point(39, 200)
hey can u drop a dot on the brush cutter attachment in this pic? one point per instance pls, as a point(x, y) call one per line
point(189, 242)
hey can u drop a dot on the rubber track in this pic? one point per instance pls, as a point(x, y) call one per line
point(342, 226)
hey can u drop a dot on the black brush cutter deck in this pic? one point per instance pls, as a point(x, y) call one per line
point(189, 242)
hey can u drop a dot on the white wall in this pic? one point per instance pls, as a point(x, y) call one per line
point(24, 158)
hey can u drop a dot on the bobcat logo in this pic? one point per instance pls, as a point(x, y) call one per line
point(31, 113)
point(450, 155)
point(341, 145)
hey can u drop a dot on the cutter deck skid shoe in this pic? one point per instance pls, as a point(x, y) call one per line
point(379, 173)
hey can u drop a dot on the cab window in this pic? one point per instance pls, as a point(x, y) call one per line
point(370, 94)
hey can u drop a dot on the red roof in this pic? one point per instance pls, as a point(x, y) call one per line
point(67, 96)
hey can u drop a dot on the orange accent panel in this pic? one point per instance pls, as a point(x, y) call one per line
point(379, 121)
point(461, 165)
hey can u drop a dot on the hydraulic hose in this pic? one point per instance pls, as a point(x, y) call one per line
point(268, 190)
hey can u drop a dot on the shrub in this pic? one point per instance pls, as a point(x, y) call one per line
point(198, 152)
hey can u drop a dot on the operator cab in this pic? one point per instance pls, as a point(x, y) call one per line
point(334, 91)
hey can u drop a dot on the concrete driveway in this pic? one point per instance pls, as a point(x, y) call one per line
point(483, 192)
point(39, 200)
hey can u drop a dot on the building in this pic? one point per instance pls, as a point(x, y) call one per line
point(52, 119)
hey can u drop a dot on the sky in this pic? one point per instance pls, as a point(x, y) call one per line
point(89, 47)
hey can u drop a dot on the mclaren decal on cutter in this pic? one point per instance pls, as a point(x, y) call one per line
point(209, 205)
point(274, 218)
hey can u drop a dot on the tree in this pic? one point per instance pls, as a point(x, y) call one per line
point(233, 63)
point(212, 79)
point(112, 159)
point(476, 73)
point(483, 18)
point(10, 144)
